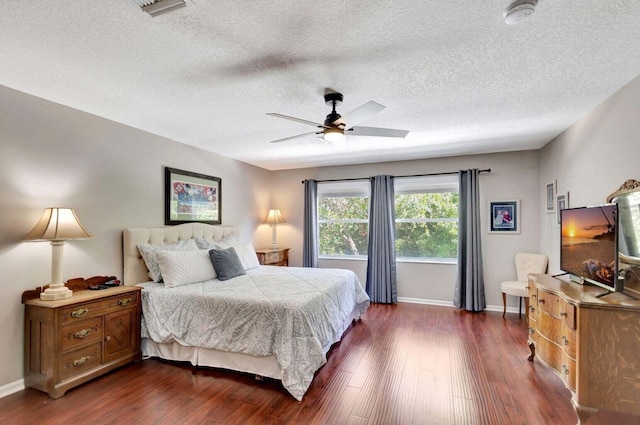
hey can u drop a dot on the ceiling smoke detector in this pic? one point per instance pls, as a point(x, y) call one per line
point(519, 10)
point(157, 7)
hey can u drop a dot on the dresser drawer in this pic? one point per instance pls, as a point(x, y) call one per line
point(549, 303)
point(81, 333)
point(569, 342)
point(568, 314)
point(98, 308)
point(274, 257)
point(550, 352)
point(80, 360)
point(549, 327)
point(569, 372)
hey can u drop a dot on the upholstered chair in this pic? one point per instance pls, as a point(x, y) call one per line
point(526, 263)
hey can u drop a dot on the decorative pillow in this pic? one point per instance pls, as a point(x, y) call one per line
point(148, 253)
point(185, 267)
point(247, 255)
point(226, 263)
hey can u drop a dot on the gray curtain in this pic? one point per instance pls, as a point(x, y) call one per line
point(381, 266)
point(469, 289)
point(310, 230)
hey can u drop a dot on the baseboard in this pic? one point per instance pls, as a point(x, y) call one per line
point(441, 303)
point(12, 387)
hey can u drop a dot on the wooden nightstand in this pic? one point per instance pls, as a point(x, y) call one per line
point(273, 256)
point(70, 341)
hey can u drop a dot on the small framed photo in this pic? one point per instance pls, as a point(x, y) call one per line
point(505, 217)
point(551, 197)
point(562, 203)
point(191, 197)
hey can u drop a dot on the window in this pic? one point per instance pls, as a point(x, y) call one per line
point(427, 218)
point(343, 218)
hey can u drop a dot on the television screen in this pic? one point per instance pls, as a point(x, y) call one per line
point(589, 249)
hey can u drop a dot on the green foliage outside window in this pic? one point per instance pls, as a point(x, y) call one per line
point(426, 225)
point(343, 225)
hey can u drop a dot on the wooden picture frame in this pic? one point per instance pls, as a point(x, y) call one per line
point(504, 217)
point(192, 197)
point(551, 196)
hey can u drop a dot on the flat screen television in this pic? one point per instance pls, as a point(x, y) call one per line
point(589, 245)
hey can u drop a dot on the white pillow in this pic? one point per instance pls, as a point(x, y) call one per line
point(224, 243)
point(247, 255)
point(185, 267)
point(246, 252)
point(148, 253)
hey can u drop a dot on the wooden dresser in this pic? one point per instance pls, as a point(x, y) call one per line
point(592, 343)
point(273, 256)
point(70, 341)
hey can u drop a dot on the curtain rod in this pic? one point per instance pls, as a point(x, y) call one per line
point(487, 170)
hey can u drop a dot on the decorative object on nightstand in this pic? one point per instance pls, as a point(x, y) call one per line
point(70, 341)
point(57, 225)
point(273, 256)
point(273, 218)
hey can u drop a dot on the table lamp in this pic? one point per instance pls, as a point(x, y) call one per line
point(57, 225)
point(273, 218)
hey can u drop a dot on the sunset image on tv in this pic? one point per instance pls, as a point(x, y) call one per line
point(589, 242)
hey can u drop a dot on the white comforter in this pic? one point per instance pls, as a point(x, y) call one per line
point(294, 314)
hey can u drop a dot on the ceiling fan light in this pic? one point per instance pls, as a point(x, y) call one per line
point(334, 135)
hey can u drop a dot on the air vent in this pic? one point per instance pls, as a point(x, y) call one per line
point(157, 7)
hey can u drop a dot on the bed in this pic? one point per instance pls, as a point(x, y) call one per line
point(276, 322)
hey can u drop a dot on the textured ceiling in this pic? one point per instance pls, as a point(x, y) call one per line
point(452, 72)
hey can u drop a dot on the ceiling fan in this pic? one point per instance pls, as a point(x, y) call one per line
point(335, 125)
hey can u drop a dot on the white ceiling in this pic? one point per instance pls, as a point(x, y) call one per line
point(452, 72)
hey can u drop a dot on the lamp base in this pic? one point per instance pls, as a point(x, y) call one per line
point(56, 292)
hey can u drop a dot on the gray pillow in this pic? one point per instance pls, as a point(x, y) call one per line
point(226, 263)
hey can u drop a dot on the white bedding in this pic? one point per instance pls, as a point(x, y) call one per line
point(293, 314)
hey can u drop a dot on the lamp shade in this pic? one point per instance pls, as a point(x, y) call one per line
point(58, 224)
point(334, 135)
point(274, 217)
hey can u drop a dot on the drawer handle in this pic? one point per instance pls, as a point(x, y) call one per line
point(541, 300)
point(565, 369)
point(125, 301)
point(82, 334)
point(563, 314)
point(108, 338)
point(79, 312)
point(81, 361)
point(531, 331)
point(534, 296)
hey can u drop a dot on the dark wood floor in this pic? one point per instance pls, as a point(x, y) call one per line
point(401, 364)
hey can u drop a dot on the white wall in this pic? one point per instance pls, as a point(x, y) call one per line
point(113, 176)
point(514, 176)
point(592, 159)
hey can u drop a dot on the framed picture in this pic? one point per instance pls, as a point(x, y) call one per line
point(551, 196)
point(505, 217)
point(190, 197)
point(562, 203)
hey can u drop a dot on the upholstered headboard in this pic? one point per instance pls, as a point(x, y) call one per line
point(135, 271)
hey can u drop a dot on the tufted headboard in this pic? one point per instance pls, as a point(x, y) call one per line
point(135, 271)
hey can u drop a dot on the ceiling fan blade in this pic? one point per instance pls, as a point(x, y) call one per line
point(377, 132)
point(300, 120)
point(360, 114)
point(294, 137)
